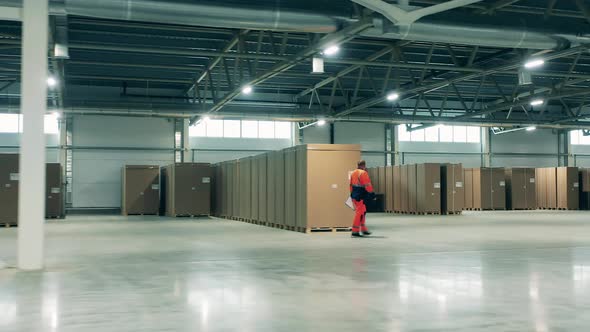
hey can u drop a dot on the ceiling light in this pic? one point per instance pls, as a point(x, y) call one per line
point(51, 81)
point(321, 122)
point(531, 128)
point(331, 50)
point(247, 90)
point(392, 96)
point(206, 119)
point(534, 63)
point(537, 102)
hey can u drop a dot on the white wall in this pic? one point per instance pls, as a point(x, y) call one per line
point(97, 171)
point(240, 147)
point(9, 143)
point(540, 141)
point(440, 152)
point(316, 135)
point(371, 137)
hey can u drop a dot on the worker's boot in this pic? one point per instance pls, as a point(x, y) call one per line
point(366, 232)
point(356, 234)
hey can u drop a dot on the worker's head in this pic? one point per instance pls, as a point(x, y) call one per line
point(361, 164)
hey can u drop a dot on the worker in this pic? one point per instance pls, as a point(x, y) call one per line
point(361, 191)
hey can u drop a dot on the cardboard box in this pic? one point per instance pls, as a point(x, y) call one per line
point(412, 189)
point(141, 189)
point(551, 175)
point(9, 184)
point(489, 188)
point(54, 192)
point(428, 188)
point(541, 188)
point(382, 182)
point(389, 189)
point(404, 189)
point(584, 202)
point(567, 188)
point(291, 186)
point(468, 177)
point(452, 188)
point(187, 189)
point(397, 203)
point(262, 162)
point(235, 188)
point(585, 179)
point(280, 187)
point(271, 183)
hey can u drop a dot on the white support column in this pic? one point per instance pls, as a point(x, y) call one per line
point(31, 206)
point(486, 147)
point(187, 155)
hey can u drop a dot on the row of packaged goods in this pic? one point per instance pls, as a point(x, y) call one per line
point(302, 188)
point(450, 188)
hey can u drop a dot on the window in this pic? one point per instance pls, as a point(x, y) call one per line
point(431, 134)
point(473, 134)
point(283, 130)
point(231, 128)
point(239, 128)
point(459, 134)
point(446, 133)
point(9, 123)
point(250, 129)
point(266, 129)
point(440, 133)
point(575, 137)
point(51, 124)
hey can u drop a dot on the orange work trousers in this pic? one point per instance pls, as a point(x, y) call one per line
point(358, 223)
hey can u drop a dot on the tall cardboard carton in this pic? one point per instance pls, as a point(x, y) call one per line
point(568, 188)
point(404, 189)
point(235, 187)
point(291, 186)
point(412, 189)
point(397, 193)
point(187, 189)
point(428, 186)
point(551, 176)
point(141, 189)
point(262, 163)
point(9, 183)
point(389, 189)
point(54, 197)
point(271, 194)
point(585, 179)
point(280, 187)
point(452, 188)
point(382, 181)
point(468, 177)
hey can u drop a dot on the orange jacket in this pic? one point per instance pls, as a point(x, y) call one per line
point(360, 183)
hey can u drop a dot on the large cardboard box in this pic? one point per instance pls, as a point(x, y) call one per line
point(567, 188)
point(412, 189)
point(54, 197)
point(584, 179)
point(468, 177)
point(520, 188)
point(280, 187)
point(551, 185)
point(374, 175)
point(9, 183)
point(541, 187)
point(291, 186)
point(187, 189)
point(397, 193)
point(235, 188)
point(245, 180)
point(404, 189)
point(452, 188)
point(141, 189)
point(428, 185)
point(389, 189)
point(262, 162)
point(584, 195)
point(271, 194)
point(489, 188)
point(382, 181)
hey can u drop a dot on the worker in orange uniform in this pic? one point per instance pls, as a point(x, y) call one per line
point(361, 190)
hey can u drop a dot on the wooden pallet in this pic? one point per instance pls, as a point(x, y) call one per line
point(453, 212)
point(8, 225)
point(191, 216)
point(427, 213)
point(323, 229)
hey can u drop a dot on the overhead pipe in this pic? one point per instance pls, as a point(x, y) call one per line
point(279, 18)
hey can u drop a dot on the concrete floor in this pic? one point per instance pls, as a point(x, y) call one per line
point(494, 271)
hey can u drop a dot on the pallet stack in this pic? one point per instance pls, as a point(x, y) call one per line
point(558, 188)
point(520, 188)
point(299, 189)
point(485, 188)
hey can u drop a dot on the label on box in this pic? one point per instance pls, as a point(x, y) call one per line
point(459, 184)
point(206, 180)
point(334, 186)
point(14, 176)
point(55, 190)
point(502, 183)
point(141, 193)
point(7, 185)
point(155, 186)
point(437, 185)
point(576, 185)
point(532, 180)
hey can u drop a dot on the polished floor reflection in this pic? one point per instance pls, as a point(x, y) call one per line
point(495, 271)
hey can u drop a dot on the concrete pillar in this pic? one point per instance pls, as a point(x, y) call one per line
point(31, 209)
point(486, 147)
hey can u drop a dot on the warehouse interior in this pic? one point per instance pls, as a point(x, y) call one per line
point(184, 165)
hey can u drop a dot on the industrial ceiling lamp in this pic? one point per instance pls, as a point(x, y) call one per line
point(534, 63)
point(537, 102)
point(247, 90)
point(321, 122)
point(206, 119)
point(51, 81)
point(331, 50)
point(317, 66)
point(531, 128)
point(393, 96)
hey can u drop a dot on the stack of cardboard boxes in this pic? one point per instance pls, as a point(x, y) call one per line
point(558, 188)
point(520, 189)
point(302, 188)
